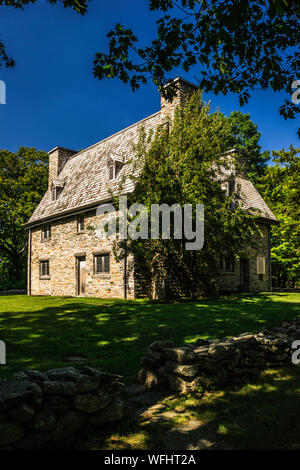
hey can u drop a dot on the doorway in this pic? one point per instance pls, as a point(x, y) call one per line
point(81, 275)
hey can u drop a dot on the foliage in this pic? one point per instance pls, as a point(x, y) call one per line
point(280, 187)
point(245, 136)
point(80, 6)
point(237, 47)
point(23, 182)
point(181, 165)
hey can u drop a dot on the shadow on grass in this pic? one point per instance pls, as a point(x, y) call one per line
point(41, 332)
point(257, 415)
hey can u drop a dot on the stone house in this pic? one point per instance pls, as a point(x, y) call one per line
point(66, 258)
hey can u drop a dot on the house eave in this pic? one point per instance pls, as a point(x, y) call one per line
point(66, 213)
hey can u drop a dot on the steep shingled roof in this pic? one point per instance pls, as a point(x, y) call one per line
point(253, 200)
point(86, 176)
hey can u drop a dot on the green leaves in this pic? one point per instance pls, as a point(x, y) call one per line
point(23, 182)
point(180, 165)
point(280, 187)
point(236, 46)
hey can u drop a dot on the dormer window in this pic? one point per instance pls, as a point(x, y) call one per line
point(115, 164)
point(112, 172)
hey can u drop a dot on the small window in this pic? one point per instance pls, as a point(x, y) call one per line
point(44, 268)
point(46, 232)
point(101, 264)
point(227, 264)
point(53, 194)
point(112, 172)
point(80, 223)
point(261, 265)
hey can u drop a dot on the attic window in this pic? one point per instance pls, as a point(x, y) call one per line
point(56, 188)
point(111, 171)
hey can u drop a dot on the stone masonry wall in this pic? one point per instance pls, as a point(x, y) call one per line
point(216, 362)
point(62, 250)
point(39, 408)
point(230, 282)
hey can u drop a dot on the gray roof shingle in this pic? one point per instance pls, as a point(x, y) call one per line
point(85, 177)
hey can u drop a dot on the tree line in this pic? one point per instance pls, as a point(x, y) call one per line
point(177, 167)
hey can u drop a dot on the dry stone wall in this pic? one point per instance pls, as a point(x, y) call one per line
point(39, 408)
point(216, 362)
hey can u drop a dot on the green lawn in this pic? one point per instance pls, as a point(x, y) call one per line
point(41, 332)
point(259, 415)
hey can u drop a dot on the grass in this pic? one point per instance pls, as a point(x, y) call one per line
point(41, 332)
point(258, 415)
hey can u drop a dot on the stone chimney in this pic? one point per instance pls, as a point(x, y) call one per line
point(57, 160)
point(184, 89)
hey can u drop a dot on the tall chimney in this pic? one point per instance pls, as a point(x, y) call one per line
point(184, 90)
point(57, 160)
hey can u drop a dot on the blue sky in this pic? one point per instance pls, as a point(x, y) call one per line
point(53, 98)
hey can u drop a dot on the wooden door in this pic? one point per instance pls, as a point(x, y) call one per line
point(81, 276)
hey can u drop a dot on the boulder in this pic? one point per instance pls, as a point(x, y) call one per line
point(178, 384)
point(160, 345)
point(14, 392)
point(182, 369)
point(87, 383)
point(64, 374)
point(148, 378)
point(67, 389)
point(181, 355)
point(92, 402)
point(113, 412)
point(43, 421)
point(57, 403)
point(67, 425)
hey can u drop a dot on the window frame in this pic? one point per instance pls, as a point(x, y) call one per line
point(46, 229)
point(53, 194)
point(43, 274)
point(227, 264)
point(80, 218)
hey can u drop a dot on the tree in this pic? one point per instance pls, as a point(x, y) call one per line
point(80, 6)
point(181, 164)
point(244, 136)
point(280, 186)
point(238, 46)
point(23, 182)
